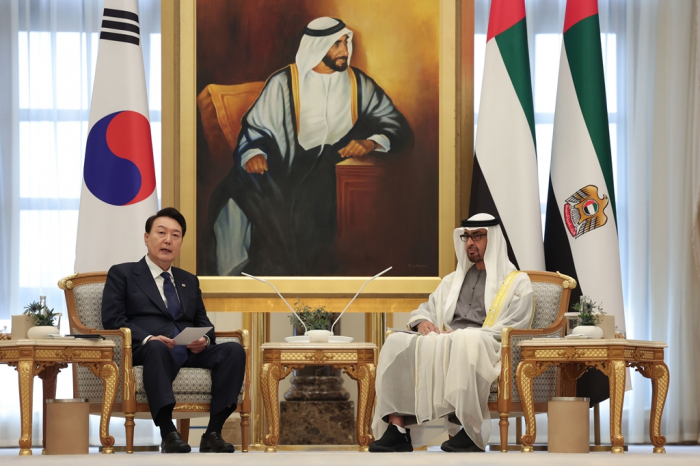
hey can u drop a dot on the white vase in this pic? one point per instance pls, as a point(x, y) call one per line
point(41, 331)
point(591, 331)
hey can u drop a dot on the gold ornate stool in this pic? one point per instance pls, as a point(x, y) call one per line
point(356, 359)
point(611, 357)
point(46, 358)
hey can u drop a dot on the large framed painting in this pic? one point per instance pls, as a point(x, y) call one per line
point(315, 142)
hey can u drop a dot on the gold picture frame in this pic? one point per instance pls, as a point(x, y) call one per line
point(455, 157)
point(382, 297)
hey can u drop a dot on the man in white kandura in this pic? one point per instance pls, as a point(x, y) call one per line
point(447, 370)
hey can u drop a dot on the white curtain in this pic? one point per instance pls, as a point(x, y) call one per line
point(663, 181)
point(48, 50)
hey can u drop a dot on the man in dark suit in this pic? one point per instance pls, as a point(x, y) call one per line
point(157, 301)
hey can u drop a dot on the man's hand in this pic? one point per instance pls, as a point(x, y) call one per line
point(358, 148)
point(426, 327)
point(198, 346)
point(258, 164)
point(168, 342)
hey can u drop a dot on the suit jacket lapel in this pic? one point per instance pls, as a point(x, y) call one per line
point(145, 281)
point(181, 290)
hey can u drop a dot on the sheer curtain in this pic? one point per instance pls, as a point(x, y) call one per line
point(650, 51)
point(663, 181)
point(49, 49)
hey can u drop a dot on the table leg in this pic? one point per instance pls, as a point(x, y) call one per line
point(616, 377)
point(659, 375)
point(270, 376)
point(25, 370)
point(365, 375)
point(48, 377)
point(109, 374)
point(524, 374)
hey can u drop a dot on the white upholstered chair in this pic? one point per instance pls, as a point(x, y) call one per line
point(552, 292)
point(192, 387)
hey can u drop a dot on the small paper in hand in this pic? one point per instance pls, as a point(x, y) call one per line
point(191, 334)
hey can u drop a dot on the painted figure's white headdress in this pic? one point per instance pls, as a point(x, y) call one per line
point(318, 37)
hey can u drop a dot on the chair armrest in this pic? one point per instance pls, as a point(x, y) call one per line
point(242, 334)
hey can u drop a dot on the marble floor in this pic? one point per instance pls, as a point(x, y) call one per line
point(638, 455)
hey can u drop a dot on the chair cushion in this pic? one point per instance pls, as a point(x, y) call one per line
point(190, 386)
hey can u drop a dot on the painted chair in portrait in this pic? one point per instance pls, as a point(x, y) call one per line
point(552, 293)
point(192, 387)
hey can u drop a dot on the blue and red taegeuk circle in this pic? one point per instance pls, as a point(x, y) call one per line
point(118, 166)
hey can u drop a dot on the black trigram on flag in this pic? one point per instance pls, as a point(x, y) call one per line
point(120, 26)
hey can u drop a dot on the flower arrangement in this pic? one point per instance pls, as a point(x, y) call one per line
point(41, 315)
point(314, 318)
point(589, 312)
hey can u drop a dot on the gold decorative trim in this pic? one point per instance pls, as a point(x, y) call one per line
point(505, 363)
point(66, 283)
point(569, 282)
point(317, 356)
point(9, 354)
point(192, 407)
point(353, 95)
point(294, 71)
point(505, 337)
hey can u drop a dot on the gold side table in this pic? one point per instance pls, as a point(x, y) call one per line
point(611, 357)
point(46, 358)
point(356, 359)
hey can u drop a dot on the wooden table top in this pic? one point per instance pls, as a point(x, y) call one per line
point(61, 342)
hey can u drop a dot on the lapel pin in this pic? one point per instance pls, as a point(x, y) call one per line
point(182, 285)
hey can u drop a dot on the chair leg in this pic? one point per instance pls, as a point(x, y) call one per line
point(129, 427)
point(183, 426)
point(503, 424)
point(245, 431)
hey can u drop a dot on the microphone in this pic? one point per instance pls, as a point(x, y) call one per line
point(306, 330)
point(353, 298)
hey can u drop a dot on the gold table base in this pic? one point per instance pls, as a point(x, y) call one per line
point(46, 358)
point(355, 359)
point(612, 357)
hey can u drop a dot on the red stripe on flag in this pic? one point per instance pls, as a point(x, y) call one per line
point(577, 10)
point(504, 14)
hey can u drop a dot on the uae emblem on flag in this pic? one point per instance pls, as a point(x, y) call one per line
point(119, 182)
point(584, 211)
point(504, 180)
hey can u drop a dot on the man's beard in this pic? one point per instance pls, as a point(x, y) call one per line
point(331, 63)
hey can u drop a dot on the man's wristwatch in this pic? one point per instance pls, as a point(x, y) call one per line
point(206, 337)
point(375, 144)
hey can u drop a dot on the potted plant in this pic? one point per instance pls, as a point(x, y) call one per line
point(314, 318)
point(589, 314)
point(43, 319)
point(317, 321)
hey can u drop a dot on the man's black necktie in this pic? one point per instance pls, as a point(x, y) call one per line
point(179, 352)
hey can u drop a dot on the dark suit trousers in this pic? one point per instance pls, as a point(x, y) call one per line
point(226, 362)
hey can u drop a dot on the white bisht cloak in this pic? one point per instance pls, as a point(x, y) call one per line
point(454, 371)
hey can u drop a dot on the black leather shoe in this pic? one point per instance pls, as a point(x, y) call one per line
point(173, 443)
point(460, 443)
point(213, 443)
point(392, 441)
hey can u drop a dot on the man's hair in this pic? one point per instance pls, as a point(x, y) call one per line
point(167, 212)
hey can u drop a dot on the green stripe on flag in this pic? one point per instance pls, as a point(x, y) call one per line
point(583, 50)
point(512, 44)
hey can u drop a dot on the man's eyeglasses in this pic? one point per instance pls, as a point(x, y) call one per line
point(476, 237)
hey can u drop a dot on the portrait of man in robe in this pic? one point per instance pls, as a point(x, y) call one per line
point(317, 137)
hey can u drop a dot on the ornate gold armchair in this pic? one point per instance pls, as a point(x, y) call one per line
point(192, 387)
point(552, 292)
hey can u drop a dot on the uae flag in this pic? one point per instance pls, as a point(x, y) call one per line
point(504, 181)
point(119, 182)
point(581, 229)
